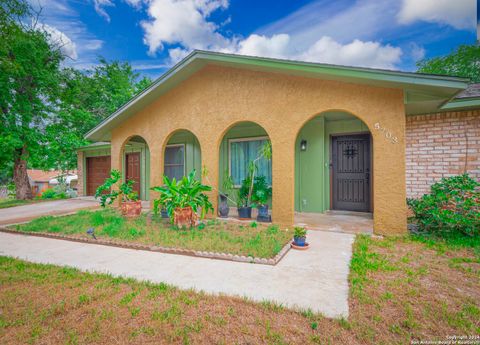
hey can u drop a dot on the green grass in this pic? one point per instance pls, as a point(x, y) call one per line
point(215, 236)
point(7, 202)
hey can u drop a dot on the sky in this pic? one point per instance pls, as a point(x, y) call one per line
point(153, 35)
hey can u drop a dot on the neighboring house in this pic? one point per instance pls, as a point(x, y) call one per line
point(343, 138)
point(41, 180)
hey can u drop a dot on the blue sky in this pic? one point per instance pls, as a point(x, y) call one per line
point(154, 34)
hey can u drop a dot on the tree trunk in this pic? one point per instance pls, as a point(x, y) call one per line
point(20, 177)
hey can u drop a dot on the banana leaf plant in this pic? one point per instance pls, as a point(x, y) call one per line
point(186, 193)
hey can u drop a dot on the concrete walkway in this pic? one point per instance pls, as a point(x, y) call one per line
point(315, 279)
point(25, 213)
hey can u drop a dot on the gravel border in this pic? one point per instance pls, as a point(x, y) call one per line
point(168, 250)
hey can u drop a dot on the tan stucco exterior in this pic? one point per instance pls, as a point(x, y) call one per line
point(216, 98)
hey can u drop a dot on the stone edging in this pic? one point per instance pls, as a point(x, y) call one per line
point(168, 250)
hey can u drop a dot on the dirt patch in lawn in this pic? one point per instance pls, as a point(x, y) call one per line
point(401, 290)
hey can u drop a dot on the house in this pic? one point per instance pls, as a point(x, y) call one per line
point(41, 180)
point(343, 138)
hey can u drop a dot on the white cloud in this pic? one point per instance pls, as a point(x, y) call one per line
point(355, 53)
point(461, 14)
point(277, 46)
point(62, 41)
point(99, 8)
point(183, 22)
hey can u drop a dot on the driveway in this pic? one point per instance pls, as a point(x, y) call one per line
point(25, 213)
point(315, 279)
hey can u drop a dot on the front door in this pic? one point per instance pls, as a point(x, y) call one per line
point(351, 172)
point(132, 164)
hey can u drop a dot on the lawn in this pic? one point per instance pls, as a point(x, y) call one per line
point(252, 239)
point(7, 202)
point(402, 289)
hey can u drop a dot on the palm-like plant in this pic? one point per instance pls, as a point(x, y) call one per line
point(184, 193)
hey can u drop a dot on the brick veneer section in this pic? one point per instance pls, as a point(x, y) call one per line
point(80, 173)
point(441, 145)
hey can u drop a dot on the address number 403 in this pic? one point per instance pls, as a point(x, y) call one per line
point(386, 132)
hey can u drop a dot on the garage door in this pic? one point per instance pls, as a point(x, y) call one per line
point(98, 169)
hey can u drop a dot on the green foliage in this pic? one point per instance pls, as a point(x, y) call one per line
point(49, 194)
point(462, 62)
point(243, 192)
point(183, 193)
point(261, 191)
point(299, 231)
point(111, 189)
point(451, 208)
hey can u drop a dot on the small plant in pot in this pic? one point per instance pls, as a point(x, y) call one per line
point(299, 238)
point(183, 199)
point(260, 196)
point(243, 200)
point(112, 189)
point(228, 187)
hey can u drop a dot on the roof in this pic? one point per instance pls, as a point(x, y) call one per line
point(423, 92)
point(37, 175)
point(472, 91)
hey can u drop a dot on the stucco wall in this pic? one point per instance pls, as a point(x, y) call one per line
point(215, 98)
point(441, 145)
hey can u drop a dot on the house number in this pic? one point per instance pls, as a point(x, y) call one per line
point(387, 133)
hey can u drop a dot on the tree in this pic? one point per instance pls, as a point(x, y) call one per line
point(29, 75)
point(86, 98)
point(463, 62)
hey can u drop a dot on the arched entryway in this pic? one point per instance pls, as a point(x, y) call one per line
point(136, 165)
point(182, 154)
point(333, 164)
point(242, 145)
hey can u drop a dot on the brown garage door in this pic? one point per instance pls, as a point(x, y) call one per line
point(98, 169)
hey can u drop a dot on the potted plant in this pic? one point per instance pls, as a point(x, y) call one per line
point(228, 186)
point(243, 200)
point(299, 238)
point(246, 191)
point(260, 196)
point(183, 199)
point(130, 205)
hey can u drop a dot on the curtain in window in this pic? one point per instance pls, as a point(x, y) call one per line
point(241, 154)
point(174, 161)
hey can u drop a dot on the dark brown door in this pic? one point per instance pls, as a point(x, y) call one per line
point(351, 172)
point(98, 169)
point(132, 164)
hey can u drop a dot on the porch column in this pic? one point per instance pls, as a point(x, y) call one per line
point(283, 179)
point(156, 170)
point(389, 186)
point(209, 147)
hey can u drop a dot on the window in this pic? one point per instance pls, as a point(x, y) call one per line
point(174, 164)
point(244, 151)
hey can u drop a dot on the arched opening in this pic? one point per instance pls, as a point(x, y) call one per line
point(243, 149)
point(182, 154)
point(136, 165)
point(333, 165)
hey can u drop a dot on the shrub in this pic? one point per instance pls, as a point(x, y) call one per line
point(451, 208)
point(48, 194)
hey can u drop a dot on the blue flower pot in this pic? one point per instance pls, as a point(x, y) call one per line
point(299, 241)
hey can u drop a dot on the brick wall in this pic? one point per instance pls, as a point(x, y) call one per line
point(441, 145)
point(80, 173)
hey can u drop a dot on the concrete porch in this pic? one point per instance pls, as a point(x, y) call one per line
point(336, 221)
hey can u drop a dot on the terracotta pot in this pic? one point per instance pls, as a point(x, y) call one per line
point(184, 217)
point(131, 209)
